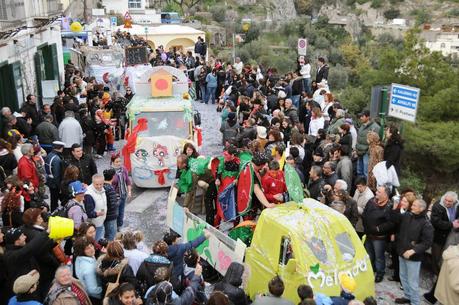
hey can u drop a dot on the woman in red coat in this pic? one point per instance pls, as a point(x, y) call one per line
point(273, 183)
point(27, 171)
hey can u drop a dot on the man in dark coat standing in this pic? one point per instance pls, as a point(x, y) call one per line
point(30, 108)
point(54, 167)
point(322, 70)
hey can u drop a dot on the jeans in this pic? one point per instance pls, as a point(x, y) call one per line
point(375, 249)
point(198, 91)
point(362, 166)
point(409, 277)
point(99, 233)
point(204, 96)
point(120, 219)
point(211, 94)
point(110, 229)
point(307, 85)
point(296, 101)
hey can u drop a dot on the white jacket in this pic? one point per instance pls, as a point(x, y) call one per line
point(70, 132)
point(315, 125)
point(305, 71)
point(100, 200)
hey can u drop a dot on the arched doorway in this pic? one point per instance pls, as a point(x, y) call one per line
point(180, 44)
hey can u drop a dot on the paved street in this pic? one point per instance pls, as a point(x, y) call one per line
point(147, 209)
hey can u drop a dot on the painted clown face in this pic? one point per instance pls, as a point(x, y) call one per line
point(141, 154)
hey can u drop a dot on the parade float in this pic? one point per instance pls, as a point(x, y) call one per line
point(160, 123)
point(304, 242)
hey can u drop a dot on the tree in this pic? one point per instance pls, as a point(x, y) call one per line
point(185, 5)
point(391, 14)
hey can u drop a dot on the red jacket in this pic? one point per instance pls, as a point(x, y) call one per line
point(27, 171)
point(273, 182)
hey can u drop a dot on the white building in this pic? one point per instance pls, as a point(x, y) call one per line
point(445, 42)
point(30, 49)
point(123, 6)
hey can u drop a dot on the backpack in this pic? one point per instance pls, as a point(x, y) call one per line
point(63, 211)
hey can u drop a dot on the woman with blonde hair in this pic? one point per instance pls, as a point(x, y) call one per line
point(376, 155)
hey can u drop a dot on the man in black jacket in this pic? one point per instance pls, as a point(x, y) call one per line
point(414, 237)
point(322, 70)
point(378, 226)
point(315, 182)
point(85, 163)
point(30, 108)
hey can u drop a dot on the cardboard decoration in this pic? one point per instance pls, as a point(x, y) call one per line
point(161, 84)
point(245, 189)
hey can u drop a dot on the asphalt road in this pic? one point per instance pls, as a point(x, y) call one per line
point(146, 211)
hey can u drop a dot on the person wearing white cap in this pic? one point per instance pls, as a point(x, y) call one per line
point(24, 288)
point(54, 167)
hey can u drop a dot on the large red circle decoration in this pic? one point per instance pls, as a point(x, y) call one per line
point(161, 84)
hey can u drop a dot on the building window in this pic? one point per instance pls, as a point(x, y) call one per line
point(135, 4)
point(3, 15)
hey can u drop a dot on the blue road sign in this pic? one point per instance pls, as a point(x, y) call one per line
point(403, 102)
point(113, 21)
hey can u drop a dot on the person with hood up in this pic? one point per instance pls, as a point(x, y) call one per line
point(231, 284)
point(191, 260)
point(229, 128)
point(273, 183)
point(413, 239)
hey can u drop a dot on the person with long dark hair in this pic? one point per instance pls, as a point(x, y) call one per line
point(393, 148)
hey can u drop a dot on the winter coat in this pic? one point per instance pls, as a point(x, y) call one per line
point(315, 188)
point(211, 80)
point(8, 162)
point(95, 201)
point(116, 180)
point(351, 212)
point(176, 252)
point(87, 168)
point(147, 269)
point(27, 171)
point(22, 260)
point(26, 299)
point(188, 276)
point(331, 180)
point(377, 222)
point(113, 202)
point(32, 112)
point(70, 132)
point(47, 133)
point(54, 167)
point(230, 285)
point(344, 171)
point(362, 199)
point(89, 129)
point(77, 213)
point(362, 144)
point(85, 268)
point(343, 299)
point(229, 130)
point(247, 133)
point(292, 114)
point(333, 128)
point(322, 73)
point(392, 153)
point(60, 295)
point(108, 271)
point(273, 182)
point(441, 222)
point(46, 259)
point(375, 153)
point(315, 124)
point(415, 233)
point(447, 290)
point(346, 141)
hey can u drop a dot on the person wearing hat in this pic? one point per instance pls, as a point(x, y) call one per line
point(47, 133)
point(229, 128)
point(348, 286)
point(54, 167)
point(20, 257)
point(24, 288)
point(262, 135)
point(362, 143)
point(75, 207)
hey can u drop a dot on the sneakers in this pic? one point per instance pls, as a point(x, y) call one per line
point(430, 298)
point(402, 301)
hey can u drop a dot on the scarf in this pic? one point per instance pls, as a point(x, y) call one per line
point(80, 294)
point(122, 187)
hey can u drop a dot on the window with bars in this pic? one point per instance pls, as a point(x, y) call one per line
point(3, 14)
point(135, 4)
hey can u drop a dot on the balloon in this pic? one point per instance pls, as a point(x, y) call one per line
point(76, 27)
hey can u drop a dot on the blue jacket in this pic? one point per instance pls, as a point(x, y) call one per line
point(343, 299)
point(54, 167)
point(211, 80)
point(85, 268)
point(14, 301)
point(175, 254)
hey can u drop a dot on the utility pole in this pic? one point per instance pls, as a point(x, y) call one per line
point(85, 13)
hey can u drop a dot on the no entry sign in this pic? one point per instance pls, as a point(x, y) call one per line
point(302, 46)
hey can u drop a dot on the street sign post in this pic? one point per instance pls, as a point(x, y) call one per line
point(403, 102)
point(113, 21)
point(302, 46)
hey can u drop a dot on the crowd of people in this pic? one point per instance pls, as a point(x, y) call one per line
point(269, 122)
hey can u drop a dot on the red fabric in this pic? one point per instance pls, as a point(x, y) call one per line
point(160, 173)
point(273, 183)
point(131, 142)
point(80, 294)
point(198, 131)
point(27, 171)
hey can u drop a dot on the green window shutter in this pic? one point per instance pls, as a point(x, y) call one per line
point(55, 62)
point(38, 61)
